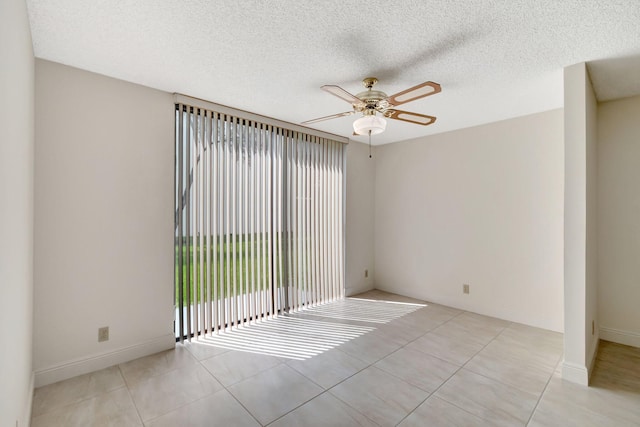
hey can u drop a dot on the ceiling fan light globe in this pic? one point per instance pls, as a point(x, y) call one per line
point(375, 124)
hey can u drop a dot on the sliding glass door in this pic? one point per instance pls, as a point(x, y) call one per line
point(258, 220)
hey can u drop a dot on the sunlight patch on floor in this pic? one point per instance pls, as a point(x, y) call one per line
point(286, 336)
point(296, 336)
point(364, 310)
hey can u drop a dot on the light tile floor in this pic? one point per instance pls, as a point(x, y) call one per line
point(433, 365)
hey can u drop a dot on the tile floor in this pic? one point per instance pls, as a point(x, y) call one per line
point(433, 365)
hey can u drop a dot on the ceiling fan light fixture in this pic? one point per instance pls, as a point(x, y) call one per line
point(367, 123)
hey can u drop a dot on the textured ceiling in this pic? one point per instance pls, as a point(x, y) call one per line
point(494, 59)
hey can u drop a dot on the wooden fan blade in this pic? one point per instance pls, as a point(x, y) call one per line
point(416, 92)
point(333, 116)
point(407, 116)
point(341, 93)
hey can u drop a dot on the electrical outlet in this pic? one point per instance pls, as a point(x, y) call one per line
point(103, 334)
point(366, 273)
point(465, 289)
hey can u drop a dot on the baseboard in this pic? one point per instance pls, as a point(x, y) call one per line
point(357, 290)
point(575, 373)
point(101, 361)
point(620, 336)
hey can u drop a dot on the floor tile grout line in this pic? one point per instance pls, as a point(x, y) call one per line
point(497, 380)
point(341, 381)
point(432, 392)
point(244, 407)
point(462, 367)
point(124, 378)
point(328, 390)
point(282, 362)
point(144, 422)
point(324, 391)
point(126, 385)
point(293, 409)
point(492, 379)
point(285, 363)
point(350, 406)
point(429, 331)
point(148, 377)
point(77, 402)
point(381, 358)
point(225, 388)
point(178, 407)
point(197, 362)
point(401, 347)
point(84, 398)
point(535, 408)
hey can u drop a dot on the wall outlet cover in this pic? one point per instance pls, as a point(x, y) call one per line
point(103, 334)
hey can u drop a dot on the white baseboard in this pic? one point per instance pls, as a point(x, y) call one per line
point(580, 374)
point(94, 363)
point(575, 373)
point(620, 336)
point(357, 290)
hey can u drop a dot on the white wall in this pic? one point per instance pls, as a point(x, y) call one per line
point(580, 250)
point(481, 206)
point(103, 221)
point(16, 213)
point(359, 218)
point(619, 220)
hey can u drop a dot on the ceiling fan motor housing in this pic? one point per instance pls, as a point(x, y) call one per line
point(372, 100)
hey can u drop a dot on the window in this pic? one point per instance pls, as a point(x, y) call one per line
point(259, 219)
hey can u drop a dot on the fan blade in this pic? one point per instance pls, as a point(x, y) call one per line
point(407, 116)
point(416, 92)
point(333, 116)
point(341, 93)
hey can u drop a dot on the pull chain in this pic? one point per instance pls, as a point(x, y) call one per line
point(369, 143)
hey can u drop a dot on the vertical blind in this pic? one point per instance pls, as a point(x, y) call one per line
point(259, 224)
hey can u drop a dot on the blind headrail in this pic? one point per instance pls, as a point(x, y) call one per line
point(207, 105)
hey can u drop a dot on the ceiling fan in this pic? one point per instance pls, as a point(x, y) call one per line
point(370, 102)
